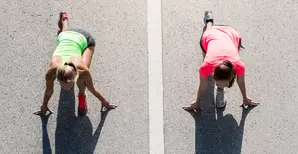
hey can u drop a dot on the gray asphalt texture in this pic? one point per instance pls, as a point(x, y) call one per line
point(120, 72)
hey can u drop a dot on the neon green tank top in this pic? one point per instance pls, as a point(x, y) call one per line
point(70, 44)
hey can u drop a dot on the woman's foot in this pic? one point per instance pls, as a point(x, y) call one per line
point(83, 106)
point(208, 17)
point(208, 20)
point(62, 23)
point(220, 98)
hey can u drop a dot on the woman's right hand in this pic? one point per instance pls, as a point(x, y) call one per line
point(202, 88)
point(43, 110)
point(106, 105)
point(193, 107)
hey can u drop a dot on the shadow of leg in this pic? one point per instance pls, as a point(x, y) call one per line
point(74, 134)
point(217, 134)
point(227, 135)
point(82, 136)
point(205, 121)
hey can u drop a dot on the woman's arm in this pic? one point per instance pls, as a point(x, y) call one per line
point(49, 90)
point(90, 86)
point(202, 88)
point(241, 85)
point(50, 78)
point(246, 100)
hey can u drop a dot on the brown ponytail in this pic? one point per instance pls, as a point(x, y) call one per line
point(225, 71)
point(66, 74)
point(72, 65)
point(228, 63)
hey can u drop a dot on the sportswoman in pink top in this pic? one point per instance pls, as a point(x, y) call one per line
point(220, 45)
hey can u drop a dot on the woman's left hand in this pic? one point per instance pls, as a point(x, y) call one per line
point(106, 105)
point(249, 102)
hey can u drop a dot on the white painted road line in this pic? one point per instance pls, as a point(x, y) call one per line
point(156, 134)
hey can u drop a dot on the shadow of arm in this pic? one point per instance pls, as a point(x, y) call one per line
point(97, 132)
point(45, 137)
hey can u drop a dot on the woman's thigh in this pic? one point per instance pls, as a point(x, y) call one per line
point(87, 56)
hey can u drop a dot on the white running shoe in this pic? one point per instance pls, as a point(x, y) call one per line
point(220, 98)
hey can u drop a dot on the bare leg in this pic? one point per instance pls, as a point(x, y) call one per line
point(64, 24)
point(81, 86)
point(206, 27)
point(204, 55)
point(208, 20)
point(87, 58)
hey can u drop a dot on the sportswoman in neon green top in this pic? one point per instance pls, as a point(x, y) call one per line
point(70, 64)
point(71, 43)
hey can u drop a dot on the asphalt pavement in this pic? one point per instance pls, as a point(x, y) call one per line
point(120, 71)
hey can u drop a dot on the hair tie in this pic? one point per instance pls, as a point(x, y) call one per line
point(71, 65)
point(228, 63)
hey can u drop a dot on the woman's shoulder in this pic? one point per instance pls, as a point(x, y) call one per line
point(239, 63)
point(82, 70)
point(55, 62)
point(206, 69)
point(81, 67)
point(239, 67)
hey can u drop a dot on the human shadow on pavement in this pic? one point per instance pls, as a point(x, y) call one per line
point(215, 133)
point(74, 135)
